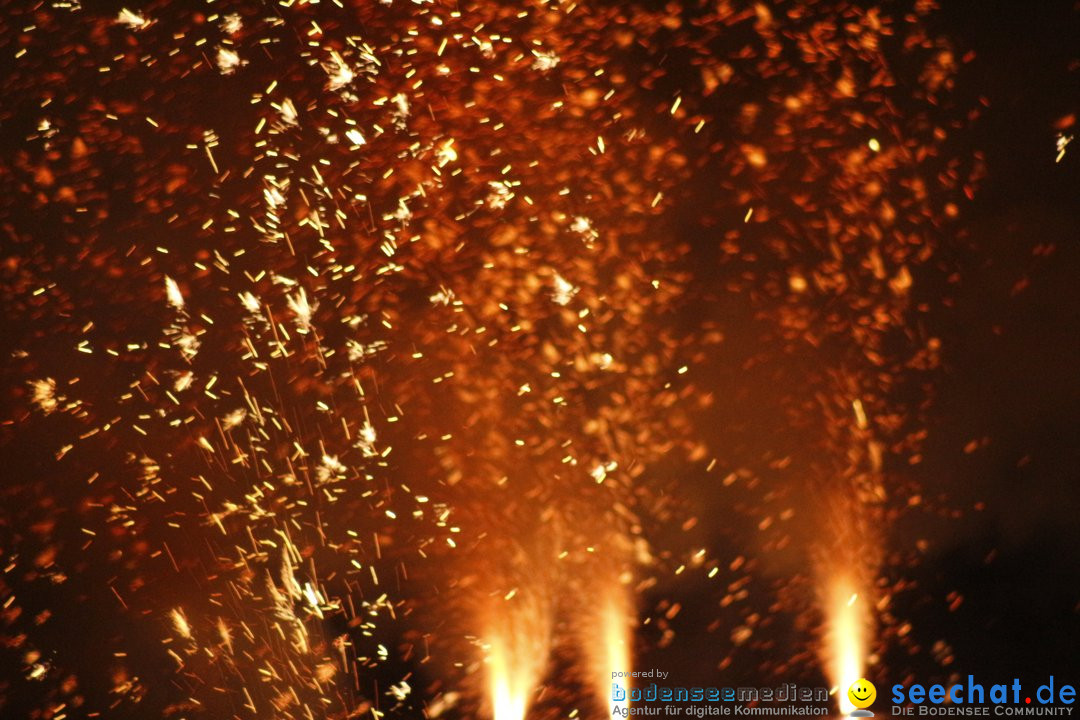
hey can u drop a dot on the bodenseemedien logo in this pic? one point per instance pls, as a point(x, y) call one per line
point(788, 692)
point(700, 702)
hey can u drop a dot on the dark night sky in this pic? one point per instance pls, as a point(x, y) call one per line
point(1012, 374)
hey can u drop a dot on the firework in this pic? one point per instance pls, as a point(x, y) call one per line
point(348, 338)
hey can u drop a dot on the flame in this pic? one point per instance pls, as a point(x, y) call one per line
point(517, 654)
point(609, 650)
point(847, 624)
point(509, 685)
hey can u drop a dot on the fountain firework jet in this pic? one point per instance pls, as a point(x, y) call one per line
point(510, 686)
point(609, 645)
point(848, 622)
point(849, 551)
point(517, 654)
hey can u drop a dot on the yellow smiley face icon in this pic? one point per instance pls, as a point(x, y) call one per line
point(862, 693)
